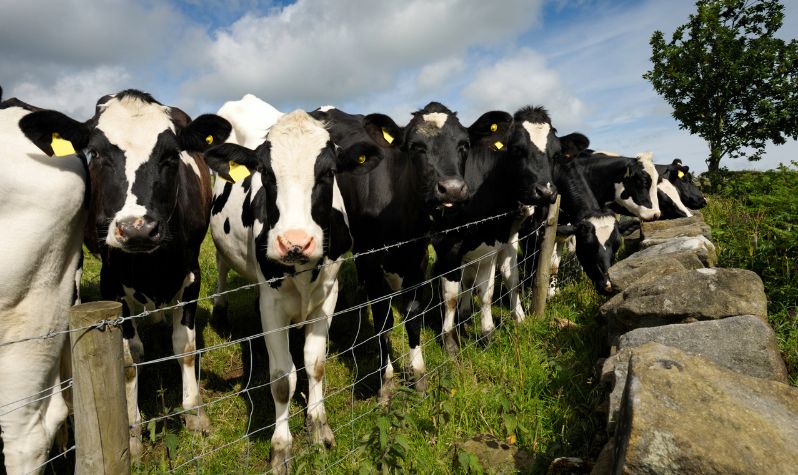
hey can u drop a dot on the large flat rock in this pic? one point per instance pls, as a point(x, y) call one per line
point(743, 344)
point(684, 414)
point(640, 269)
point(700, 245)
point(658, 231)
point(699, 294)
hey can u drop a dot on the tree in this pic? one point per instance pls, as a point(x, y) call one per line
point(728, 79)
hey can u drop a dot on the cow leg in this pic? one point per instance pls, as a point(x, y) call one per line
point(484, 284)
point(27, 370)
point(219, 314)
point(315, 353)
point(282, 376)
point(451, 289)
point(556, 257)
point(412, 310)
point(466, 305)
point(133, 351)
point(184, 342)
point(508, 266)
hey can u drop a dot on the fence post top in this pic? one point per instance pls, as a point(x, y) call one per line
point(89, 313)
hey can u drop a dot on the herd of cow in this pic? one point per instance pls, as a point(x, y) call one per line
point(294, 192)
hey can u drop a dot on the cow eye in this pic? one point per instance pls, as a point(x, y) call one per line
point(418, 147)
point(463, 148)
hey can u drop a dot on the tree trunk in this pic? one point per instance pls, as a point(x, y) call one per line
point(713, 161)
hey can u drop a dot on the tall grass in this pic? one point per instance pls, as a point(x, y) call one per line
point(754, 221)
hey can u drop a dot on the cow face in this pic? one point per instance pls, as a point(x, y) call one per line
point(438, 145)
point(679, 175)
point(134, 146)
point(532, 148)
point(637, 190)
point(293, 186)
point(597, 239)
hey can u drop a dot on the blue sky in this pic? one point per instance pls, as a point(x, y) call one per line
point(582, 59)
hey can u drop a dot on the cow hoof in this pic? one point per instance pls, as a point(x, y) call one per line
point(320, 433)
point(386, 392)
point(450, 343)
point(487, 334)
point(219, 316)
point(281, 461)
point(197, 421)
point(519, 316)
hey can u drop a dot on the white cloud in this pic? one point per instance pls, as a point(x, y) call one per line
point(433, 76)
point(521, 79)
point(73, 94)
point(321, 51)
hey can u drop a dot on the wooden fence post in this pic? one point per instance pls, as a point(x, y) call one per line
point(543, 270)
point(102, 437)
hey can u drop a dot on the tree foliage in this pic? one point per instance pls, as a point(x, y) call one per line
point(728, 79)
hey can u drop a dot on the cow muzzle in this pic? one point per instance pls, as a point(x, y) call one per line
point(295, 246)
point(138, 234)
point(450, 191)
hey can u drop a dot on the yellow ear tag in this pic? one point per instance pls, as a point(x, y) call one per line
point(361, 159)
point(680, 174)
point(237, 172)
point(498, 145)
point(61, 147)
point(388, 138)
point(209, 139)
point(494, 127)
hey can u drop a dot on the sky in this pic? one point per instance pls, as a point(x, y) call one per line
point(581, 59)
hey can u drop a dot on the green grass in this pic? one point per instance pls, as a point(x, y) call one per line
point(532, 383)
point(754, 221)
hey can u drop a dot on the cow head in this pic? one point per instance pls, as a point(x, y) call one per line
point(533, 144)
point(681, 178)
point(134, 146)
point(574, 145)
point(293, 186)
point(597, 239)
point(438, 145)
point(637, 189)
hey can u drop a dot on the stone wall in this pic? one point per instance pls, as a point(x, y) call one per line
point(696, 381)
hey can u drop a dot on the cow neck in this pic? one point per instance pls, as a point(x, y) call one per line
point(578, 200)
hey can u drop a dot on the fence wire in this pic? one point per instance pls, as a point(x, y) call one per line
point(359, 376)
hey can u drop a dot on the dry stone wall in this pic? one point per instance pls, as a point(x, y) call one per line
point(696, 382)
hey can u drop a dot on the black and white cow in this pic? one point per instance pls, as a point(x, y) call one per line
point(43, 214)
point(285, 226)
point(678, 194)
point(594, 228)
point(419, 178)
point(630, 184)
point(508, 170)
point(150, 207)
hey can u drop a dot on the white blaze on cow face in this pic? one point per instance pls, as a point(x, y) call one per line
point(538, 134)
point(604, 225)
point(438, 119)
point(671, 192)
point(132, 125)
point(296, 140)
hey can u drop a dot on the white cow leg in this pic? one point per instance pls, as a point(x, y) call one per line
point(29, 427)
point(451, 289)
point(184, 341)
point(219, 313)
point(315, 358)
point(133, 351)
point(508, 266)
point(556, 257)
point(282, 377)
point(484, 285)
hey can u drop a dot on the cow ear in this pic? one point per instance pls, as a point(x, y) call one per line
point(204, 132)
point(232, 161)
point(358, 159)
point(566, 230)
point(573, 144)
point(49, 129)
point(491, 124)
point(383, 130)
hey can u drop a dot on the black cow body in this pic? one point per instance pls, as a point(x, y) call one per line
point(150, 206)
point(508, 171)
point(419, 177)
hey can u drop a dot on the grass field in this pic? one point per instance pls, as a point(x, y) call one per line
point(532, 385)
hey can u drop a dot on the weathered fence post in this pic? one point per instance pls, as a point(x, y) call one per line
point(102, 438)
point(543, 270)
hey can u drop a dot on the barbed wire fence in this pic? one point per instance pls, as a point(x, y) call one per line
point(361, 372)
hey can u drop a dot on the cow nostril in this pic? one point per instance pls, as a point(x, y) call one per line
point(441, 188)
point(154, 229)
